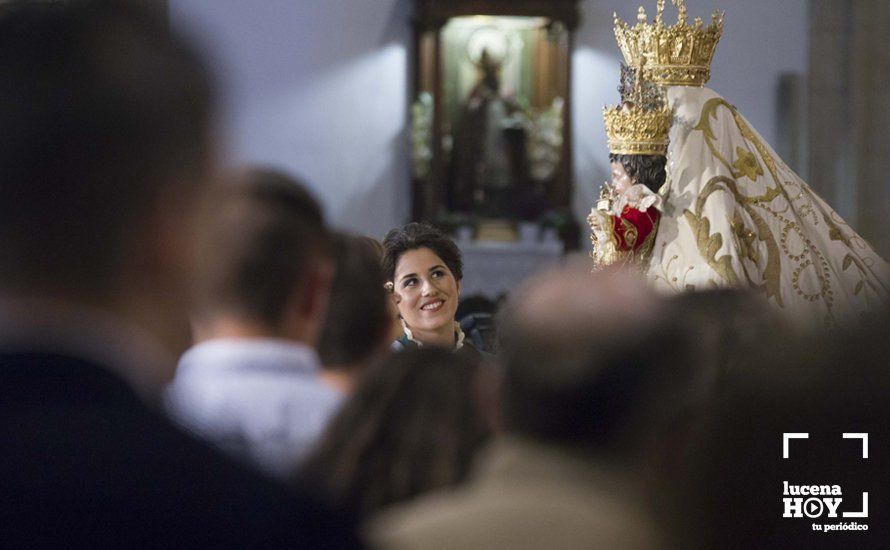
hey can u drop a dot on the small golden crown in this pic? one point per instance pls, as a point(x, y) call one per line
point(641, 124)
point(675, 55)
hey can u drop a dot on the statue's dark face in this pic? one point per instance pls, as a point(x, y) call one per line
point(490, 71)
point(491, 79)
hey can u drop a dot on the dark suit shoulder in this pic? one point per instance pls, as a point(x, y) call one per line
point(87, 462)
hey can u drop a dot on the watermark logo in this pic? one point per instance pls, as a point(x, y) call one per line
point(817, 501)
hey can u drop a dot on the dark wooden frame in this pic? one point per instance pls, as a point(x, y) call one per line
point(428, 196)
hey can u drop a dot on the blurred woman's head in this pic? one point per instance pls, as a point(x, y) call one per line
point(423, 269)
point(413, 425)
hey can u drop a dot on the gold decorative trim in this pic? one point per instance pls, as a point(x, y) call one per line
point(673, 55)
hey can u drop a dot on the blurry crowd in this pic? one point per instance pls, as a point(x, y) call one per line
point(191, 356)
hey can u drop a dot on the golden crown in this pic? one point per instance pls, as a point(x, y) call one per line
point(674, 55)
point(640, 125)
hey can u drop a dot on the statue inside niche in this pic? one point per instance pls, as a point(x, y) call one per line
point(488, 170)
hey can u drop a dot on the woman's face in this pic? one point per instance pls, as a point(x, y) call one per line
point(620, 180)
point(426, 293)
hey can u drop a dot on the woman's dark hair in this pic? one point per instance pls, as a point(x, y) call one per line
point(413, 425)
point(420, 235)
point(646, 169)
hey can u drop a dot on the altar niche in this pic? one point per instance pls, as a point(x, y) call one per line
point(491, 146)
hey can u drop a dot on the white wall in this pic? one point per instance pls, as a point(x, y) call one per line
point(321, 88)
point(761, 40)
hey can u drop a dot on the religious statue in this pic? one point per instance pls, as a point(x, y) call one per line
point(625, 220)
point(488, 165)
point(733, 213)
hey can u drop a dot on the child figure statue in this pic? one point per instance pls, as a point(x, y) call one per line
point(625, 220)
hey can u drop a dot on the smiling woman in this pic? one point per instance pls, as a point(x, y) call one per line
point(423, 269)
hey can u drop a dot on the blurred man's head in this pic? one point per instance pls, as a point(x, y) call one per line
point(827, 385)
point(265, 261)
point(728, 323)
point(585, 360)
point(104, 143)
point(358, 322)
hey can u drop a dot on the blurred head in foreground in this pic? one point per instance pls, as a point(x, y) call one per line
point(824, 386)
point(358, 323)
point(266, 268)
point(590, 362)
point(413, 425)
point(728, 324)
point(105, 147)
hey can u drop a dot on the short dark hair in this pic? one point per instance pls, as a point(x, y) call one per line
point(102, 109)
point(586, 388)
point(420, 235)
point(263, 232)
point(357, 316)
point(646, 169)
point(414, 425)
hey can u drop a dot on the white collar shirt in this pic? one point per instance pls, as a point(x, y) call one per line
point(258, 399)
